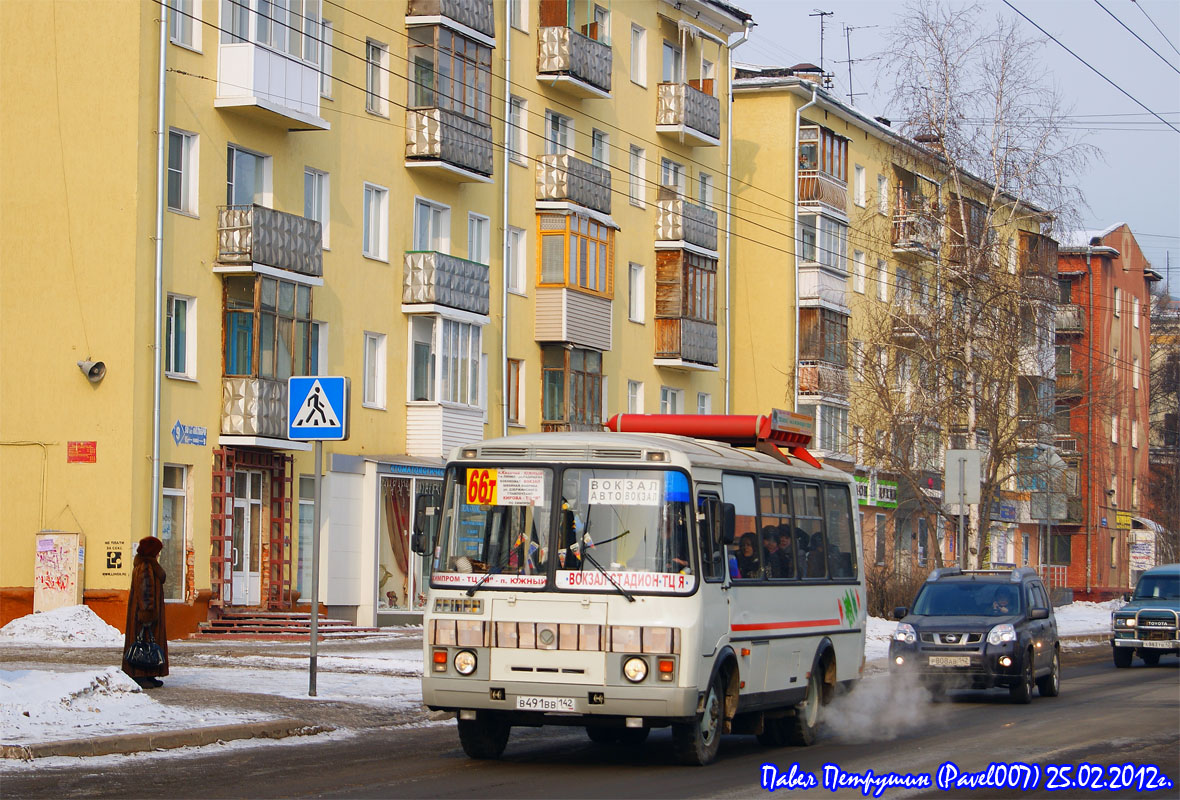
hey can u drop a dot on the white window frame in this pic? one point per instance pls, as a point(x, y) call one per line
point(479, 238)
point(374, 370)
point(673, 175)
point(637, 176)
point(376, 78)
point(375, 213)
point(634, 397)
point(705, 189)
point(859, 269)
point(320, 338)
point(519, 15)
point(516, 387)
point(1135, 433)
point(517, 279)
point(882, 280)
point(671, 400)
point(671, 71)
point(442, 389)
point(439, 227)
point(858, 185)
point(185, 14)
point(858, 360)
point(1114, 428)
point(704, 403)
point(600, 148)
point(638, 55)
point(326, 31)
point(559, 133)
point(320, 195)
point(636, 302)
point(183, 494)
point(1135, 311)
point(1134, 493)
point(188, 172)
point(1118, 297)
point(518, 148)
point(883, 195)
point(189, 372)
point(262, 195)
point(1135, 372)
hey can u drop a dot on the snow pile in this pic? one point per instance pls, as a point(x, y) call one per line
point(878, 632)
point(1084, 617)
point(73, 625)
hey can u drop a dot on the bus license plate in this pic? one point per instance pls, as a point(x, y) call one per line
point(1163, 643)
point(950, 661)
point(545, 704)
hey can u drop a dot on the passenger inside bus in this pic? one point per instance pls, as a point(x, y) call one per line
point(815, 556)
point(786, 554)
point(672, 551)
point(747, 557)
point(770, 555)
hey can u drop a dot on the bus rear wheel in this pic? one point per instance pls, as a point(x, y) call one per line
point(696, 743)
point(801, 729)
point(484, 737)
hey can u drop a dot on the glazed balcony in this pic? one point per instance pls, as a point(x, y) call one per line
point(819, 286)
point(254, 407)
point(688, 114)
point(432, 278)
point(819, 189)
point(573, 63)
point(477, 15)
point(252, 236)
point(1070, 319)
point(686, 343)
point(823, 379)
point(449, 145)
point(563, 177)
point(680, 220)
point(272, 87)
point(567, 315)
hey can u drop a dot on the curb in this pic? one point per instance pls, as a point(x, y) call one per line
point(164, 740)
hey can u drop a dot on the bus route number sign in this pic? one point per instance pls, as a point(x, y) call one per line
point(481, 487)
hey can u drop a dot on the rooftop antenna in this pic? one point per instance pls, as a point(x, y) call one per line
point(821, 15)
point(848, 29)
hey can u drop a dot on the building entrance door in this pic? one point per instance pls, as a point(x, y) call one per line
point(248, 525)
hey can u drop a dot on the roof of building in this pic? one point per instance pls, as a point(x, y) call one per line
point(732, 10)
point(1083, 238)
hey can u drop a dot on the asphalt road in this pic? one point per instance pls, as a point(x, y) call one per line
point(1104, 716)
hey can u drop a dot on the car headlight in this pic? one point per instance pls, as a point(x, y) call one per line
point(635, 669)
point(1001, 634)
point(465, 662)
point(905, 633)
point(1124, 622)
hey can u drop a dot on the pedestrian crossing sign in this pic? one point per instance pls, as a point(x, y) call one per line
point(317, 408)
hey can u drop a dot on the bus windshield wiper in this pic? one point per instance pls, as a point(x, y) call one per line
point(471, 592)
point(586, 555)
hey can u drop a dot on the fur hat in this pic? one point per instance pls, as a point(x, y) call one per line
point(149, 547)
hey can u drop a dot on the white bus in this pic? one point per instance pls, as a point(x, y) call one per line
point(622, 581)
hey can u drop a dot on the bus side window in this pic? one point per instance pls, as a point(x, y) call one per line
point(709, 528)
point(809, 531)
point(745, 556)
point(841, 542)
point(778, 545)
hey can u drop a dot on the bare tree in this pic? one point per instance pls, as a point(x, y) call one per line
point(1163, 500)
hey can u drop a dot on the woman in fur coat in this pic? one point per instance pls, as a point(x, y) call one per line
point(145, 607)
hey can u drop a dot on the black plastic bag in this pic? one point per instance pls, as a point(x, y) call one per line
point(144, 654)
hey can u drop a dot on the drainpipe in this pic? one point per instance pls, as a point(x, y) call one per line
point(156, 354)
point(1089, 400)
point(728, 201)
point(504, 249)
point(795, 246)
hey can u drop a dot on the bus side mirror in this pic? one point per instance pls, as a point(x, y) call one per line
point(728, 523)
point(423, 508)
point(420, 544)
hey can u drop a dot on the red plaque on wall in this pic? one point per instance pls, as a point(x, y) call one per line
point(81, 452)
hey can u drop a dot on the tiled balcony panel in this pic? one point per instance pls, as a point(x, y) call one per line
point(257, 235)
point(678, 219)
point(440, 279)
point(436, 134)
point(682, 109)
point(584, 63)
point(564, 177)
point(687, 340)
point(475, 14)
point(254, 407)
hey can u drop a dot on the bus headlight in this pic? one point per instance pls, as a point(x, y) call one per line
point(635, 669)
point(465, 662)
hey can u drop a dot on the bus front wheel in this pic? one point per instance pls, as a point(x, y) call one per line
point(484, 737)
point(697, 742)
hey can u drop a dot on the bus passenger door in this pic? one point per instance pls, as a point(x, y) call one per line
point(714, 587)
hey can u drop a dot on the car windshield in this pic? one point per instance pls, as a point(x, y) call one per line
point(1158, 587)
point(963, 598)
point(495, 528)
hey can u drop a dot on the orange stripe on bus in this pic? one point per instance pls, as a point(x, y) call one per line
point(770, 626)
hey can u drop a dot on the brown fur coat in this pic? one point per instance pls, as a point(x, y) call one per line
point(145, 604)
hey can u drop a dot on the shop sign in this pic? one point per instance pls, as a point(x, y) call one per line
point(189, 434)
point(416, 470)
point(887, 494)
point(1122, 520)
point(1005, 512)
point(863, 490)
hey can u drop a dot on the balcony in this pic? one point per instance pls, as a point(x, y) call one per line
point(565, 315)
point(679, 221)
point(439, 279)
point(573, 63)
point(909, 323)
point(249, 237)
point(688, 114)
point(254, 407)
point(823, 379)
point(916, 232)
point(576, 427)
point(818, 188)
point(448, 145)
point(476, 15)
point(1070, 319)
point(273, 87)
point(1074, 515)
point(818, 286)
point(565, 178)
point(1070, 384)
point(686, 344)
point(434, 429)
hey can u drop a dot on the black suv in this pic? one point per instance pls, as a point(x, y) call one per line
point(978, 629)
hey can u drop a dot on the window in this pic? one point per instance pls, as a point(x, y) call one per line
point(636, 177)
point(515, 379)
point(576, 252)
point(1135, 311)
point(823, 241)
point(833, 428)
point(672, 175)
point(823, 335)
point(374, 370)
point(181, 27)
point(673, 64)
point(822, 150)
point(704, 403)
point(601, 28)
point(432, 224)
point(571, 385)
point(247, 177)
point(315, 200)
point(516, 260)
point(268, 328)
point(705, 189)
point(859, 270)
point(180, 352)
point(879, 536)
point(858, 360)
point(600, 148)
point(635, 305)
point(858, 185)
point(1135, 372)
point(559, 133)
point(182, 171)
point(1134, 493)
point(273, 27)
point(698, 285)
point(882, 280)
point(923, 540)
point(375, 232)
point(634, 397)
point(671, 400)
point(882, 194)
point(317, 350)
point(1118, 298)
point(1114, 428)
point(445, 361)
point(518, 130)
point(1134, 433)
point(306, 520)
point(518, 13)
point(478, 238)
point(422, 364)
point(326, 59)
point(449, 71)
point(174, 528)
point(638, 55)
point(377, 78)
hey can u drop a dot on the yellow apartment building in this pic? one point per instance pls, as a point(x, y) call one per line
point(492, 216)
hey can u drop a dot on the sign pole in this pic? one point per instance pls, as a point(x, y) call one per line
point(963, 512)
point(315, 567)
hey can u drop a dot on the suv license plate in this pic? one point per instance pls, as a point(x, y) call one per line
point(950, 661)
point(545, 704)
point(1163, 644)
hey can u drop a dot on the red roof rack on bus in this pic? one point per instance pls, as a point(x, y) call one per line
point(765, 434)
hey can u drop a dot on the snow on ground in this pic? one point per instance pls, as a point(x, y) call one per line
point(76, 626)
